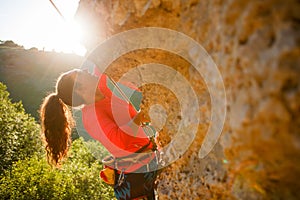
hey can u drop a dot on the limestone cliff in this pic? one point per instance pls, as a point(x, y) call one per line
point(255, 45)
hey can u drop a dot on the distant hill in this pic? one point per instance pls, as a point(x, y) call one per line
point(31, 74)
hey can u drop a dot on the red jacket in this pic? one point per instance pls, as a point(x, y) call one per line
point(110, 122)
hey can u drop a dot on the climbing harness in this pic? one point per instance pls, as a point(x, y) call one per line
point(122, 163)
point(134, 174)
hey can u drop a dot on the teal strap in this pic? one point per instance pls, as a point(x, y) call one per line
point(126, 93)
point(149, 129)
point(134, 98)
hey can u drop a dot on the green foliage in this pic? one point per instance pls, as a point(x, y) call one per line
point(78, 178)
point(20, 134)
point(30, 74)
point(97, 150)
point(25, 173)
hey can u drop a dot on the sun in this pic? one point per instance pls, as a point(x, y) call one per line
point(66, 37)
point(67, 34)
point(43, 25)
point(45, 29)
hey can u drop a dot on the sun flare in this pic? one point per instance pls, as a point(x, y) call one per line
point(67, 34)
point(37, 23)
point(66, 38)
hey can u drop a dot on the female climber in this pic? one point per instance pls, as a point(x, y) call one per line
point(109, 118)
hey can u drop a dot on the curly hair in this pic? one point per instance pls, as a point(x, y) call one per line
point(56, 126)
point(56, 119)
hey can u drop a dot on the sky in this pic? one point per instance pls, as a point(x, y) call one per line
point(36, 23)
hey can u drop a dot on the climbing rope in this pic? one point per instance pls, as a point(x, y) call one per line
point(53, 4)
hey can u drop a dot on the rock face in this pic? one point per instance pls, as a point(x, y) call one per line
point(255, 45)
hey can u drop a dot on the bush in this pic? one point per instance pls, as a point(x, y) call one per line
point(20, 134)
point(78, 178)
point(25, 173)
point(9, 43)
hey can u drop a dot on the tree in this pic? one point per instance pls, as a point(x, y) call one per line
point(19, 133)
point(25, 173)
point(78, 178)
